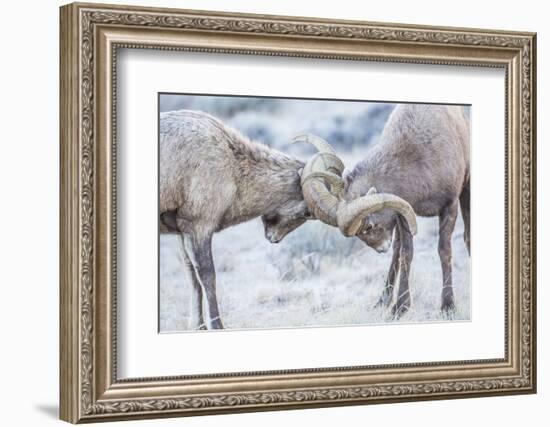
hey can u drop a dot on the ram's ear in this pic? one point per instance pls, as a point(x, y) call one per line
point(371, 191)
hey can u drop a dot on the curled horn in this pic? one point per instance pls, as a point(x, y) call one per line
point(322, 186)
point(322, 180)
point(350, 215)
point(318, 142)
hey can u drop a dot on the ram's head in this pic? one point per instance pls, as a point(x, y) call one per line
point(323, 190)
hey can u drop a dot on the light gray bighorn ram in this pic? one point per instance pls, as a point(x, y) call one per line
point(212, 177)
point(423, 157)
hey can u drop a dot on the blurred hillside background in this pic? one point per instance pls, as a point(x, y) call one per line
point(315, 276)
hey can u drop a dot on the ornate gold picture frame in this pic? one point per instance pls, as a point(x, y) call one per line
point(91, 37)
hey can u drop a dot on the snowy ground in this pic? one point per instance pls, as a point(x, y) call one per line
point(315, 276)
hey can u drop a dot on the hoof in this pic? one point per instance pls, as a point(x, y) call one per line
point(197, 325)
point(448, 306)
point(385, 299)
point(448, 303)
point(216, 324)
point(399, 310)
point(383, 302)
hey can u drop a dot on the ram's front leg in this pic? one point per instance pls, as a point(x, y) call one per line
point(387, 294)
point(403, 302)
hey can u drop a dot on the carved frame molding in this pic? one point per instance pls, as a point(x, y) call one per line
point(90, 36)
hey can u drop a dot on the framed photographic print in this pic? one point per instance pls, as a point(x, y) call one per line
point(267, 212)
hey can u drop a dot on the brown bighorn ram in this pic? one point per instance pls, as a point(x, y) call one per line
point(212, 177)
point(423, 157)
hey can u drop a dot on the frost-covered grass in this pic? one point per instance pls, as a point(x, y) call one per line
point(314, 277)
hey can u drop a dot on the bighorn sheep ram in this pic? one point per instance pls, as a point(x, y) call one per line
point(212, 177)
point(423, 156)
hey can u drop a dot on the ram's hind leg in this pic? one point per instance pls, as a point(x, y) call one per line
point(447, 219)
point(204, 266)
point(465, 208)
point(387, 294)
point(196, 318)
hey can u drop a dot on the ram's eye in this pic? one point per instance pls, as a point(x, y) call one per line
point(367, 227)
point(270, 220)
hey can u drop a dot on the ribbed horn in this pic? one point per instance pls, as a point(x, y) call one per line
point(322, 187)
point(351, 215)
point(318, 142)
point(322, 180)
